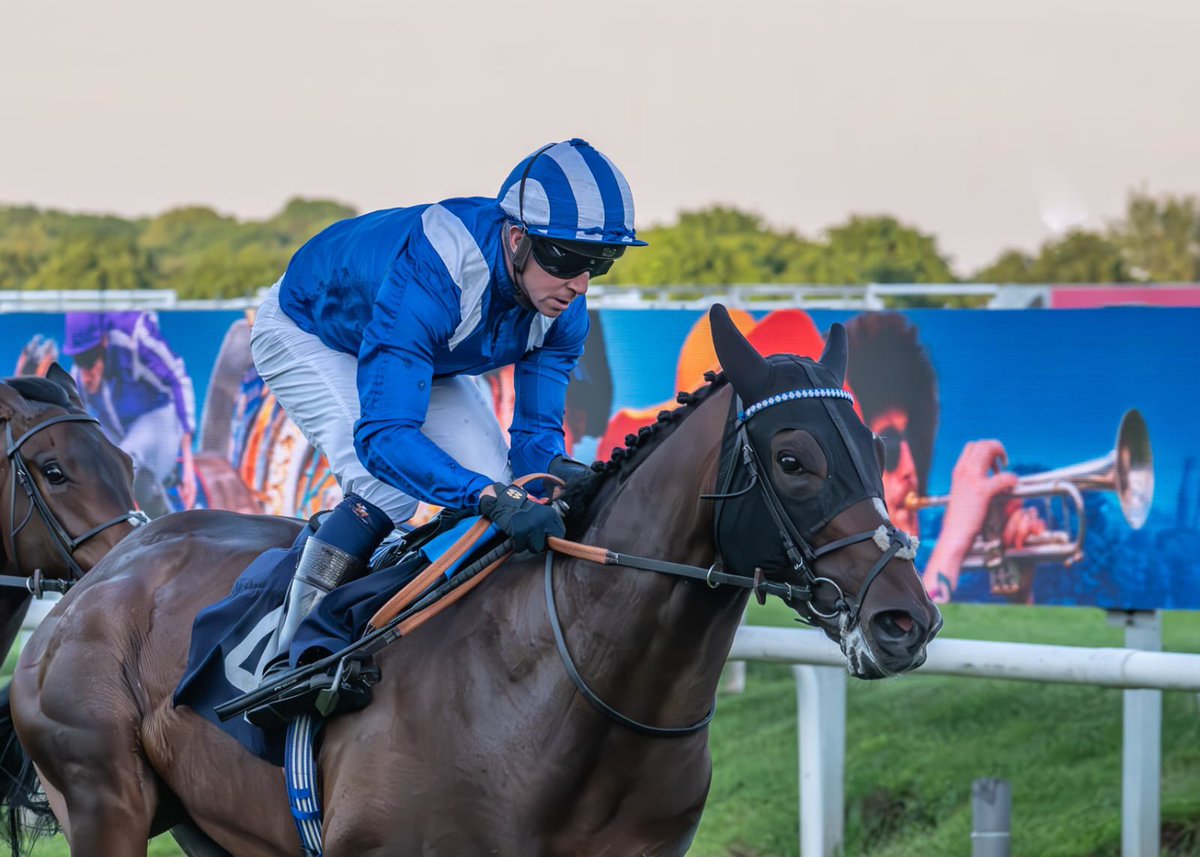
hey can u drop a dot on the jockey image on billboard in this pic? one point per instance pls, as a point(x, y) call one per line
point(139, 389)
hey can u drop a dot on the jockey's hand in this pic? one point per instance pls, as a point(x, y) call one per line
point(525, 519)
point(568, 469)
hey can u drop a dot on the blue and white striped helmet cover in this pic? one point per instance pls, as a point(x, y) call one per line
point(571, 192)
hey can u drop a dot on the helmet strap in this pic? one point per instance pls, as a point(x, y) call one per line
point(519, 259)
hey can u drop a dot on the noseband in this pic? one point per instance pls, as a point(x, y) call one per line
point(66, 545)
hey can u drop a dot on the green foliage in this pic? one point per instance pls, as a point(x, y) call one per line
point(1080, 257)
point(725, 246)
point(880, 250)
point(194, 250)
point(203, 254)
point(1160, 238)
point(1011, 266)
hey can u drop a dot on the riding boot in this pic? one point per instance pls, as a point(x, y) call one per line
point(336, 553)
point(322, 567)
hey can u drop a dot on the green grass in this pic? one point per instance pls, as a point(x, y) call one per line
point(915, 744)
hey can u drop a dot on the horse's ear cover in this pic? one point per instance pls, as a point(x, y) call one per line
point(12, 403)
point(62, 378)
point(836, 355)
point(747, 370)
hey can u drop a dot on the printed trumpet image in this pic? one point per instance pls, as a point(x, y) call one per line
point(1127, 470)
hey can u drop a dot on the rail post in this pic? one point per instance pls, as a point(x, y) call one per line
point(821, 725)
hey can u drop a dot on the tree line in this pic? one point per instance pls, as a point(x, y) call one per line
point(203, 254)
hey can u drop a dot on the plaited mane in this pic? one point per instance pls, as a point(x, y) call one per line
point(583, 496)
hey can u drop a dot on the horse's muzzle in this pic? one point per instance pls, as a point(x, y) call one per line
point(899, 639)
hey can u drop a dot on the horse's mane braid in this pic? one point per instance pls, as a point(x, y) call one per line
point(582, 493)
point(39, 389)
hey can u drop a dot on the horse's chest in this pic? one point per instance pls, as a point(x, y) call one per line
point(633, 802)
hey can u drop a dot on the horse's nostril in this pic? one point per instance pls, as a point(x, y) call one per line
point(897, 629)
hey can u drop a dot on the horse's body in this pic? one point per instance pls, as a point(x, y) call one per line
point(97, 489)
point(476, 742)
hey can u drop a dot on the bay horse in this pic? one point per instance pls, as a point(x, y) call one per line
point(66, 492)
point(477, 741)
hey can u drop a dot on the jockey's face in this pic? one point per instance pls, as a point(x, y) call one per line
point(91, 368)
point(901, 479)
point(549, 295)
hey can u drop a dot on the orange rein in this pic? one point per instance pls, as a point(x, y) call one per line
point(415, 587)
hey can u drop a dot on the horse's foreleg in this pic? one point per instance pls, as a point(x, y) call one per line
point(104, 797)
point(78, 719)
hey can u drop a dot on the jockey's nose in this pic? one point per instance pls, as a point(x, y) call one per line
point(579, 285)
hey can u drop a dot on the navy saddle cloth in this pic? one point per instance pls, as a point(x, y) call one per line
point(230, 637)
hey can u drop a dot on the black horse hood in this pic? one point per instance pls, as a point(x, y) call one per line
point(776, 394)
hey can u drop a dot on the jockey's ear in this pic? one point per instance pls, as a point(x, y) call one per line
point(62, 378)
point(13, 404)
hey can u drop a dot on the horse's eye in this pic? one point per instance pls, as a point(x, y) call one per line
point(789, 462)
point(53, 473)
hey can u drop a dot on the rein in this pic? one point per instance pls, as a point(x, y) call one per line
point(407, 610)
point(63, 541)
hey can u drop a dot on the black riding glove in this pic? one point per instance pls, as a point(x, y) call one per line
point(567, 469)
point(527, 521)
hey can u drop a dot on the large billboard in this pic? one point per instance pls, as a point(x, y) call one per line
point(1041, 457)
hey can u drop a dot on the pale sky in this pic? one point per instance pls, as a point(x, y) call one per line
point(990, 123)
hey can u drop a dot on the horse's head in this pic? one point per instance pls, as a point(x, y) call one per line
point(64, 487)
point(800, 505)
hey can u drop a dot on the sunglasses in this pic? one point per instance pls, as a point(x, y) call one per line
point(564, 263)
point(87, 359)
point(893, 441)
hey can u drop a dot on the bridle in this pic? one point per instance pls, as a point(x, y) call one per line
point(800, 554)
point(63, 541)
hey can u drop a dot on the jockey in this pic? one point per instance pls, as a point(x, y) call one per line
point(139, 389)
point(371, 339)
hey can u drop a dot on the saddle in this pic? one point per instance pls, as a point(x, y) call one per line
point(418, 561)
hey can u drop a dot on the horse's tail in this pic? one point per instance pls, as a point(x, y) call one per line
point(26, 812)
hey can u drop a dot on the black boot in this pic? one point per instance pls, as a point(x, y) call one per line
point(323, 565)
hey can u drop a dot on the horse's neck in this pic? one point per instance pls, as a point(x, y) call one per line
point(657, 641)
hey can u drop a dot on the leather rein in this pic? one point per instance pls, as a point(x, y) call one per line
point(66, 545)
point(430, 591)
point(800, 554)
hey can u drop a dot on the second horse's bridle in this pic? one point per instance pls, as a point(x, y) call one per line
point(63, 541)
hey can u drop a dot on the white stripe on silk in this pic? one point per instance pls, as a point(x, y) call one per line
point(588, 200)
point(537, 332)
point(537, 204)
point(464, 260)
point(626, 193)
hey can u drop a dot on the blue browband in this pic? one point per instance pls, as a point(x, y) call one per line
point(792, 395)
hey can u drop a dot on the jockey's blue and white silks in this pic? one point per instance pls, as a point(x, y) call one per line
point(141, 373)
point(422, 293)
point(571, 192)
